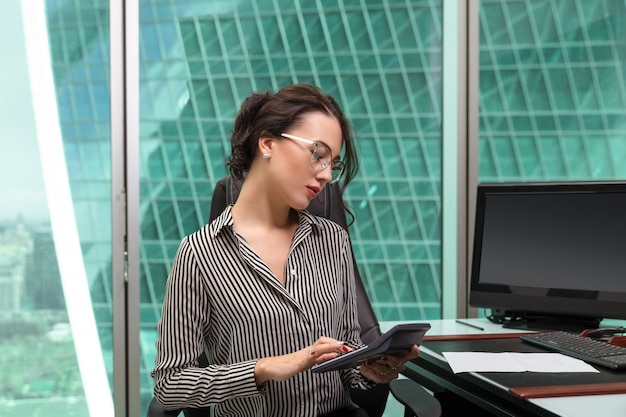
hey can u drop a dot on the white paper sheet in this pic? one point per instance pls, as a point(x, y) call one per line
point(514, 362)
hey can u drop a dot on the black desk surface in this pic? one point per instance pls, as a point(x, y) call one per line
point(492, 392)
point(523, 379)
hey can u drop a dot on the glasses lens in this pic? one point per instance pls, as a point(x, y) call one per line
point(337, 170)
point(321, 159)
point(321, 156)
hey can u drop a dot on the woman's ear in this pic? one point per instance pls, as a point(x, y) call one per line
point(265, 145)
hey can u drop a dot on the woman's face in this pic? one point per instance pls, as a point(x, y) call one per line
point(304, 157)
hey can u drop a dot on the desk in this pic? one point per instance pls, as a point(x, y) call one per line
point(491, 391)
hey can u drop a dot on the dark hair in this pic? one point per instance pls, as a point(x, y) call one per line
point(267, 113)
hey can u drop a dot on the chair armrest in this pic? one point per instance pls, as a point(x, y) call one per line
point(155, 409)
point(415, 398)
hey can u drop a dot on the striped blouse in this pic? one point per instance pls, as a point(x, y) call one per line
point(222, 297)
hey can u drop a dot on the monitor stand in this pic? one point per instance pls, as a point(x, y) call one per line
point(543, 322)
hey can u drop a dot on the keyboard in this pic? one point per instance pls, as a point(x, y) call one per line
point(584, 348)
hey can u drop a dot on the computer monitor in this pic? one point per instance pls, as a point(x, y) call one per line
point(550, 255)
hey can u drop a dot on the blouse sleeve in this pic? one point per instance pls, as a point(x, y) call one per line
point(179, 381)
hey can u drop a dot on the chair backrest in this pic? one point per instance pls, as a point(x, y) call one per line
point(327, 204)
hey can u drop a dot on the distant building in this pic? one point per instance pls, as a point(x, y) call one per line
point(16, 246)
point(42, 279)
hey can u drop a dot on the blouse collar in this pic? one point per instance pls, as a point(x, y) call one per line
point(305, 219)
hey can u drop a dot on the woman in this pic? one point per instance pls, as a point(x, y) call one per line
point(267, 287)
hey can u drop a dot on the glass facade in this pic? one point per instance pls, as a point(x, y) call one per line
point(552, 98)
point(552, 90)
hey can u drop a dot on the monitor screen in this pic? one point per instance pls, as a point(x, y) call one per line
point(551, 250)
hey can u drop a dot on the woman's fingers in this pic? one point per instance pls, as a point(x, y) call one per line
point(326, 348)
point(378, 372)
point(387, 367)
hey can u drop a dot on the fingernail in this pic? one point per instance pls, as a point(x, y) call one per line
point(313, 353)
point(384, 358)
point(345, 348)
point(368, 363)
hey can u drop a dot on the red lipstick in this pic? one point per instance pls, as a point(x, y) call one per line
point(313, 191)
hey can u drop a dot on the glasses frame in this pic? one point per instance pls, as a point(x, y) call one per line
point(317, 162)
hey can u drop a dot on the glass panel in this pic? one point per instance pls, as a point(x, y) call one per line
point(55, 233)
point(552, 90)
point(381, 60)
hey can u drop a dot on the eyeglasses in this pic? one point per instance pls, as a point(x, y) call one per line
point(321, 157)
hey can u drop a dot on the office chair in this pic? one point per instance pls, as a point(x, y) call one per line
point(417, 401)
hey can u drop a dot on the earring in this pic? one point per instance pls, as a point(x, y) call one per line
point(266, 156)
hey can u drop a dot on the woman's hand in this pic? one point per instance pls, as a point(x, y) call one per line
point(386, 368)
point(280, 368)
